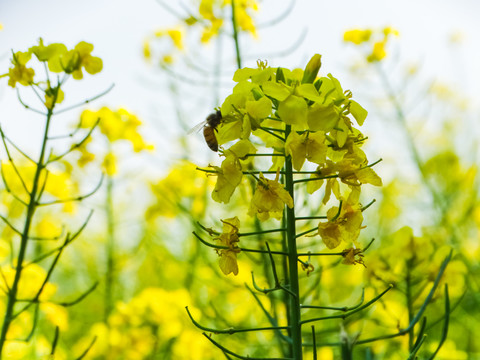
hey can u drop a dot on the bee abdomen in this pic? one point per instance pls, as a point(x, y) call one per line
point(210, 138)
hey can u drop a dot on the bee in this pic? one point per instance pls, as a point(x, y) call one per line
point(209, 129)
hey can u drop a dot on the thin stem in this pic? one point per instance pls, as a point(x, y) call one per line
point(261, 232)
point(231, 330)
point(344, 316)
point(240, 248)
point(12, 294)
point(225, 350)
point(109, 275)
point(103, 93)
point(235, 37)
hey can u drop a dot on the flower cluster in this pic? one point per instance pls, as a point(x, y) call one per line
point(307, 119)
point(116, 126)
point(209, 17)
point(376, 45)
point(58, 59)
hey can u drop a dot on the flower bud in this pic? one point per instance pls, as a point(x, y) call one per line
point(311, 70)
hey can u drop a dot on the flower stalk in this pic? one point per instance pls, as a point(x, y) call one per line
point(294, 309)
point(31, 207)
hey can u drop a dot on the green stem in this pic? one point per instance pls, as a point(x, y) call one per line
point(32, 205)
point(409, 302)
point(109, 275)
point(235, 37)
point(294, 316)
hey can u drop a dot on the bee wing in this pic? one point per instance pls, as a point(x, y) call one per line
point(197, 127)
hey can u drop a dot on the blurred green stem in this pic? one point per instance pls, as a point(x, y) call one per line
point(235, 37)
point(408, 294)
point(438, 199)
point(109, 275)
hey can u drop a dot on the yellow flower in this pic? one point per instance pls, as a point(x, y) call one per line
point(53, 96)
point(46, 53)
point(175, 34)
point(342, 225)
point(357, 36)
point(353, 256)
point(109, 164)
point(378, 52)
point(74, 60)
point(86, 156)
point(116, 125)
point(229, 237)
point(243, 18)
point(180, 189)
point(147, 50)
point(309, 146)
point(229, 176)
point(20, 73)
point(269, 199)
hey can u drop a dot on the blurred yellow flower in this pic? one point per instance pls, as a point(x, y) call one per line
point(374, 40)
point(378, 52)
point(116, 125)
point(357, 36)
point(20, 73)
point(72, 61)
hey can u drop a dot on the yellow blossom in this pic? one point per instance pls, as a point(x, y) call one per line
point(116, 125)
point(182, 187)
point(46, 53)
point(353, 256)
point(343, 224)
point(229, 176)
point(357, 36)
point(53, 96)
point(308, 146)
point(378, 52)
point(269, 199)
point(20, 73)
point(109, 164)
point(229, 237)
point(74, 60)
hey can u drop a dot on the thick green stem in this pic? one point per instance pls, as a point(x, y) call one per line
point(294, 316)
point(408, 280)
point(110, 250)
point(32, 205)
